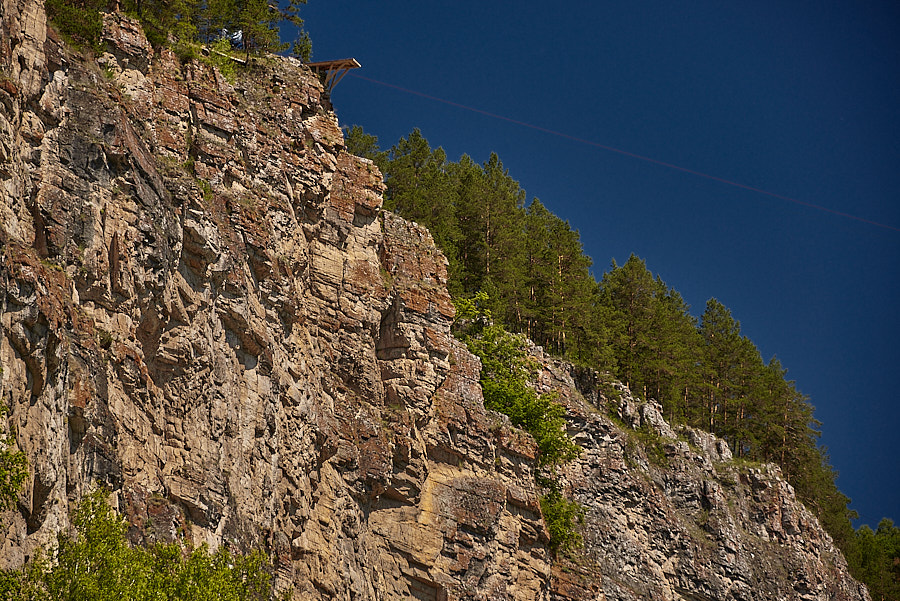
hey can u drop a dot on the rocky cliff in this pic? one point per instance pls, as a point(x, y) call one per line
point(205, 308)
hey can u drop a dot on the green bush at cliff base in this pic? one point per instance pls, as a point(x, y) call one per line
point(99, 565)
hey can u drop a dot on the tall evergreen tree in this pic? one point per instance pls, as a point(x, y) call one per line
point(561, 294)
point(675, 343)
point(722, 345)
point(489, 213)
point(628, 294)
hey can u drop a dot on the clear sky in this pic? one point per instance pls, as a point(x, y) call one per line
point(800, 99)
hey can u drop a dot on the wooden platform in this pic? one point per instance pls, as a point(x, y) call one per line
point(334, 70)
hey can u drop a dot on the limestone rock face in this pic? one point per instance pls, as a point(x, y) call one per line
point(204, 308)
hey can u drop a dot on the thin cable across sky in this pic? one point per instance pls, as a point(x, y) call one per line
point(628, 154)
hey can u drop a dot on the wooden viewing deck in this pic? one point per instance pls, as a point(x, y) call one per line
point(335, 70)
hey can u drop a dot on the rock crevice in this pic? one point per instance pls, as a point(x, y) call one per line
point(205, 308)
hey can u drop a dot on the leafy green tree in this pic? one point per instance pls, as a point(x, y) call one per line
point(419, 187)
point(302, 47)
point(561, 516)
point(489, 211)
point(505, 372)
point(98, 565)
point(880, 559)
point(186, 22)
point(13, 468)
point(258, 22)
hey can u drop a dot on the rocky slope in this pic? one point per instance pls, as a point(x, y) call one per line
point(670, 514)
point(205, 308)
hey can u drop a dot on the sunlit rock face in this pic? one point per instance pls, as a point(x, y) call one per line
point(670, 514)
point(205, 309)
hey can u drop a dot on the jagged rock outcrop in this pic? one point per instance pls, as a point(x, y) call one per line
point(670, 514)
point(205, 309)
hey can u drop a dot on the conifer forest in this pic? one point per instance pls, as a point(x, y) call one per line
point(703, 371)
point(509, 258)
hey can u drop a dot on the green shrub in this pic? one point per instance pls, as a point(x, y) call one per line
point(81, 21)
point(220, 58)
point(561, 516)
point(13, 468)
point(505, 371)
point(99, 565)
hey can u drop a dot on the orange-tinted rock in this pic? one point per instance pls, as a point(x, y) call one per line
point(206, 309)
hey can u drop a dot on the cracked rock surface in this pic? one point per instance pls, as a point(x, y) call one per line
point(204, 308)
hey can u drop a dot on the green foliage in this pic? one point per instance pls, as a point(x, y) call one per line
point(258, 20)
point(562, 516)
point(875, 559)
point(99, 565)
point(80, 20)
point(187, 23)
point(13, 468)
point(220, 57)
point(205, 188)
point(505, 371)
point(301, 47)
point(651, 335)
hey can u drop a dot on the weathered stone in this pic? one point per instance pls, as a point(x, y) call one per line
point(693, 524)
point(205, 308)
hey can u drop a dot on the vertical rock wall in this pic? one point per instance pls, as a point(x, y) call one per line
point(205, 309)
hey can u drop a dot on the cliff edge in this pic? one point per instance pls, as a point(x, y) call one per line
point(205, 308)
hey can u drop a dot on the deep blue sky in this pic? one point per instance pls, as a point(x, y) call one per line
point(797, 98)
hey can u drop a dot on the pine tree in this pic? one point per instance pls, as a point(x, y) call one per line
point(628, 294)
point(722, 339)
point(258, 21)
point(359, 143)
point(676, 343)
point(490, 217)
